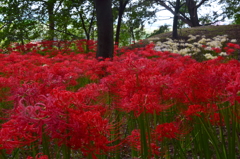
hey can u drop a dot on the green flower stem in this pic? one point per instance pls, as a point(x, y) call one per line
point(144, 145)
point(45, 144)
point(212, 138)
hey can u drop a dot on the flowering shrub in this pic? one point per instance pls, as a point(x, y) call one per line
point(58, 102)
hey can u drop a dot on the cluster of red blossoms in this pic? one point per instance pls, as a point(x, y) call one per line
point(39, 100)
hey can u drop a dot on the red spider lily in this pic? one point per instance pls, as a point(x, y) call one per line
point(167, 130)
point(140, 80)
point(15, 134)
point(212, 108)
point(134, 140)
point(204, 82)
point(215, 119)
point(38, 156)
point(233, 91)
point(217, 50)
point(88, 132)
point(229, 51)
point(236, 46)
point(195, 110)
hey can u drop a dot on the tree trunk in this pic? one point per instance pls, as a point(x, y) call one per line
point(192, 9)
point(105, 28)
point(132, 33)
point(50, 7)
point(120, 14)
point(121, 9)
point(175, 20)
point(87, 31)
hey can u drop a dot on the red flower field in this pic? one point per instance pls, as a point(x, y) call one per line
point(57, 101)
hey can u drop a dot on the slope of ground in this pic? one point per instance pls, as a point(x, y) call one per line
point(233, 32)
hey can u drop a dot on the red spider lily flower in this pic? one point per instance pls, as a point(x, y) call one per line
point(212, 108)
point(215, 119)
point(217, 50)
point(15, 134)
point(237, 46)
point(229, 51)
point(167, 130)
point(134, 140)
point(38, 156)
point(88, 132)
point(233, 89)
point(230, 44)
point(155, 149)
point(195, 110)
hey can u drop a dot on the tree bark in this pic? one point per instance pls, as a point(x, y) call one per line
point(87, 31)
point(120, 15)
point(50, 8)
point(104, 28)
point(132, 33)
point(192, 9)
point(193, 21)
point(175, 20)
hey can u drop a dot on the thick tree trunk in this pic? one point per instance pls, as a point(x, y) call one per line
point(105, 28)
point(175, 20)
point(50, 7)
point(192, 9)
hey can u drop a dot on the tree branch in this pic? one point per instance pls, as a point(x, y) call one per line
point(165, 6)
point(201, 3)
point(4, 26)
point(64, 32)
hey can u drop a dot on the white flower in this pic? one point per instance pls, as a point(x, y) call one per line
point(223, 40)
point(208, 48)
point(175, 51)
point(184, 51)
point(233, 41)
point(190, 35)
point(214, 44)
point(182, 41)
point(158, 43)
point(202, 41)
point(196, 50)
point(209, 56)
point(44, 65)
point(223, 54)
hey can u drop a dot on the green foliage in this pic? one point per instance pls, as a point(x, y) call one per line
point(162, 29)
point(135, 15)
point(231, 9)
point(18, 25)
point(236, 19)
